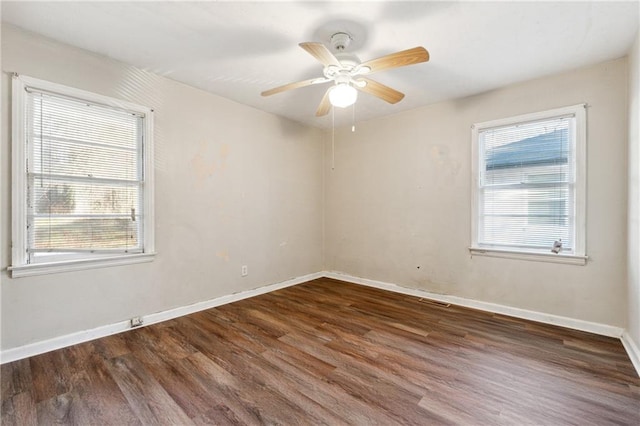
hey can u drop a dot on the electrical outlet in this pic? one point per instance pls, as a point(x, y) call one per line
point(136, 322)
point(245, 270)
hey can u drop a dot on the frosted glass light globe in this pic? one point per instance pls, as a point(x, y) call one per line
point(342, 95)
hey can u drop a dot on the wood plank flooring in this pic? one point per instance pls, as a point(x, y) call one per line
point(328, 352)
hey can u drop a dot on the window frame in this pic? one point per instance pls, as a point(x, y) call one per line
point(82, 261)
point(578, 257)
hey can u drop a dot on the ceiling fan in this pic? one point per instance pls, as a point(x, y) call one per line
point(348, 74)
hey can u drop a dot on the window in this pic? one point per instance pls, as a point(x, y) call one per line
point(82, 179)
point(529, 186)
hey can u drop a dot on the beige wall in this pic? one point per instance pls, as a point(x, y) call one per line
point(397, 205)
point(633, 323)
point(234, 186)
point(238, 186)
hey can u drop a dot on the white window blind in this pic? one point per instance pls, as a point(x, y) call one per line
point(85, 176)
point(529, 183)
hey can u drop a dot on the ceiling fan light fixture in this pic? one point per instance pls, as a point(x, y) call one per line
point(343, 95)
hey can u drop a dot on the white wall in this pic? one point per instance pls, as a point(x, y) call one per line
point(234, 186)
point(398, 202)
point(633, 323)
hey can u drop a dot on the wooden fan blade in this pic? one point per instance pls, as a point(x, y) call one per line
point(398, 59)
point(321, 53)
point(296, 85)
point(325, 105)
point(381, 91)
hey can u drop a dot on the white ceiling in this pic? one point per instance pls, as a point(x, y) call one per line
point(238, 49)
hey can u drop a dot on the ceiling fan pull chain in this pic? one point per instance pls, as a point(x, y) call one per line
point(353, 119)
point(333, 138)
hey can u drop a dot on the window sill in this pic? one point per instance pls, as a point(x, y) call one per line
point(536, 257)
point(77, 265)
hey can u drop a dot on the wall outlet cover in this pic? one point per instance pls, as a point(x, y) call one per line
point(136, 322)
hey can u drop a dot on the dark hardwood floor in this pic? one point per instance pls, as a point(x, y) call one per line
point(328, 352)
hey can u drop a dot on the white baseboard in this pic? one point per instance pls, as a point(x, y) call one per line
point(591, 327)
point(37, 348)
point(632, 349)
point(43, 346)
